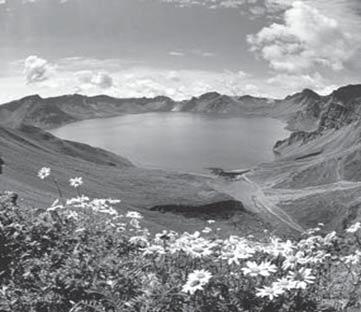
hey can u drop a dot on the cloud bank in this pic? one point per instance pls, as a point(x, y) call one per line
point(304, 40)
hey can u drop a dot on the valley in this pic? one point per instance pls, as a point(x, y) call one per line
point(315, 177)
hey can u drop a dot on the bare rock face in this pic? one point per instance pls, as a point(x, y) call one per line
point(333, 112)
point(8, 199)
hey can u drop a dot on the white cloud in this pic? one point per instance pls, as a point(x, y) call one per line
point(37, 69)
point(305, 40)
point(176, 53)
point(251, 8)
point(288, 83)
point(131, 81)
point(89, 79)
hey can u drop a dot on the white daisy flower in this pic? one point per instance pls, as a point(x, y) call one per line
point(44, 173)
point(354, 228)
point(76, 182)
point(133, 215)
point(270, 292)
point(196, 281)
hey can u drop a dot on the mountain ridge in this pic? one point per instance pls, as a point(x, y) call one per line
point(48, 113)
point(299, 109)
point(315, 178)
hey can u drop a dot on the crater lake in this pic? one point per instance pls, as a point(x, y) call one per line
point(184, 142)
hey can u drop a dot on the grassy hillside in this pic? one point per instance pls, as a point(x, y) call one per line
point(28, 149)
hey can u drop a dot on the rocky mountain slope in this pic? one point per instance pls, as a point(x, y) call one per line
point(54, 112)
point(317, 176)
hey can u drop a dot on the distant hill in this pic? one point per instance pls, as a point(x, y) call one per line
point(299, 110)
point(49, 113)
point(54, 112)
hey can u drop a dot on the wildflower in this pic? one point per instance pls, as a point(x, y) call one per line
point(277, 247)
point(135, 223)
point(284, 283)
point(113, 201)
point(302, 278)
point(110, 283)
point(263, 269)
point(78, 202)
point(352, 259)
point(313, 231)
point(150, 283)
point(207, 230)
point(199, 250)
point(354, 228)
point(291, 261)
point(138, 240)
point(153, 249)
point(165, 236)
point(76, 182)
point(73, 215)
point(196, 281)
point(44, 173)
point(270, 292)
point(329, 238)
point(234, 255)
point(55, 206)
point(134, 215)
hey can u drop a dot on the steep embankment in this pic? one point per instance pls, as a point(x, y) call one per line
point(332, 151)
point(317, 177)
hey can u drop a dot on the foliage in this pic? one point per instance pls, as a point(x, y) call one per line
point(81, 255)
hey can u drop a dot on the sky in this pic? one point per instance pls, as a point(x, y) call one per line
point(177, 48)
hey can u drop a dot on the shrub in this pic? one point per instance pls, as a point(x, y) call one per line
point(81, 255)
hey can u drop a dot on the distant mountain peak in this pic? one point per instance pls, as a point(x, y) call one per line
point(310, 92)
point(210, 95)
point(33, 97)
point(348, 92)
point(305, 93)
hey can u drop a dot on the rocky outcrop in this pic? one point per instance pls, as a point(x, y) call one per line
point(339, 109)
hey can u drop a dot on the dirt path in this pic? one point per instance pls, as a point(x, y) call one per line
point(255, 199)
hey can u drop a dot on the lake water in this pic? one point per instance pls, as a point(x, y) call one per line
point(181, 141)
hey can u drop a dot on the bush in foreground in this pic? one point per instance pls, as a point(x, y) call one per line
point(81, 255)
